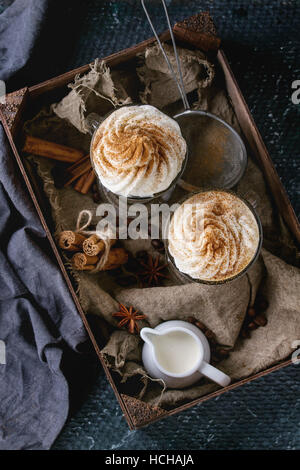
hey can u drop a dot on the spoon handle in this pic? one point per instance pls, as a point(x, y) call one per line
point(179, 82)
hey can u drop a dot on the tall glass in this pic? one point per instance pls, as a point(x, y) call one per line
point(184, 278)
point(93, 122)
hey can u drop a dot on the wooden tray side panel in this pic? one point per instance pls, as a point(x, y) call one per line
point(111, 60)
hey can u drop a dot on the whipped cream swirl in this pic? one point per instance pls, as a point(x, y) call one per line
point(213, 236)
point(138, 151)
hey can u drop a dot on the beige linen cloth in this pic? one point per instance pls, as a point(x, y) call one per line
point(221, 308)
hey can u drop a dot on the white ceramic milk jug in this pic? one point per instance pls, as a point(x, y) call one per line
point(178, 352)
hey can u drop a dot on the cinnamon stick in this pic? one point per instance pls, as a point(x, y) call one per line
point(92, 246)
point(76, 165)
point(77, 170)
point(71, 241)
point(85, 182)
point(44, 148)
point(80, 181)
point(88, 182)
point(83, 262)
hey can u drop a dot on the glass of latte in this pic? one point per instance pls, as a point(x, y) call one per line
point(213, 237)
point(138, 153)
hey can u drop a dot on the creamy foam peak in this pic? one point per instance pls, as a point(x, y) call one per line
point(213, 236)
point(138, 151)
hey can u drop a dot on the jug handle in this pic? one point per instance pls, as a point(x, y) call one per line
point(144, 331)
point(214, 374)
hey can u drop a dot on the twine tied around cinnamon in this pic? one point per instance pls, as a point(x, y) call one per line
point(104, 235)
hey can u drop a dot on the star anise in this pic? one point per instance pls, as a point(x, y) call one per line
point(129, 318)
point(152, 274)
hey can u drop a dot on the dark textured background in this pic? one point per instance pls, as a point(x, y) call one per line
point(261, 40)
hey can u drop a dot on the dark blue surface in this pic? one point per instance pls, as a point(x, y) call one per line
point(39, 323)
point(261, 415)
point(261, 39)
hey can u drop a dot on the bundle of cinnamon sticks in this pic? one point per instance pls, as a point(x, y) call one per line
point(78, 173)
point(89, 251)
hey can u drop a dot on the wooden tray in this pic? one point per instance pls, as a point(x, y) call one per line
point(13, 114)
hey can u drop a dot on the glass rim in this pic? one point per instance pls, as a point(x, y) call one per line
point(140, 199)
point(170, 258)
